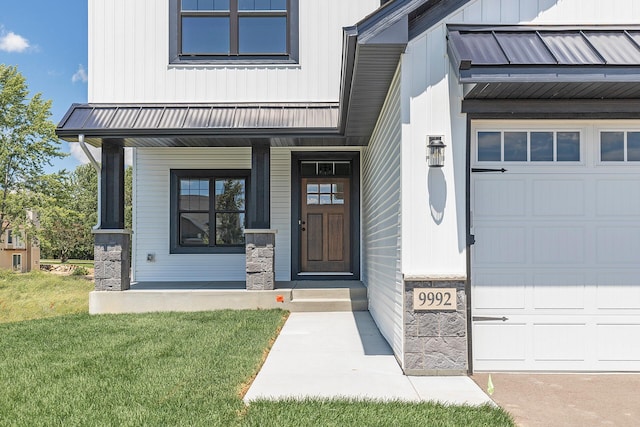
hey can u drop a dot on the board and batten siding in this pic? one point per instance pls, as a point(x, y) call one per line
point(433, 202)
point(381, 221)
point(152, 205)
point(129, 58)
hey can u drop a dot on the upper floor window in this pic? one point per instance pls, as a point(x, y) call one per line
point(236, 29)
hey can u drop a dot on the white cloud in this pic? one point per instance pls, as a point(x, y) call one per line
point(78, 154)
point(80, 75)
point(12, 42)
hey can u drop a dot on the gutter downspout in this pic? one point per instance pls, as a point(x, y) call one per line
point(98, 167)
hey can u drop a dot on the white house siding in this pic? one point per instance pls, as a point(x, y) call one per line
point(152, 202)
point(381, 219)
point(129, 57)
point(433, 202)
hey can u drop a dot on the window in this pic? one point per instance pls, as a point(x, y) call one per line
point(619, 146)
point(208, 211)
point(16, 262)
point(528, 146)
point(9, 237)
point(236, 29)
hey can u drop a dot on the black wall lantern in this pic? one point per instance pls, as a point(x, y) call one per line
point(435, 151)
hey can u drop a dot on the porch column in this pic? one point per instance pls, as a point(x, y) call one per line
point(112, 242)
point(260, 241)
point(259, 207)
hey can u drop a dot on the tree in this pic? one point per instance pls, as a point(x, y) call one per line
point(27, 143)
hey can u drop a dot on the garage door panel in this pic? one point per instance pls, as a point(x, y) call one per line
point(618, 245)
point(559, 342)
point(618, 290)
point(501, 245)
point(558, 245)
point(618, 342)
point(550, 296)
point(500, 342)
point(500, 198)
point(558, 198)
point(609, 200)
point(500, 291)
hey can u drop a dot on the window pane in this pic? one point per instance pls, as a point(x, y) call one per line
point(338, 199)
point(489, 147)
point(230, 194)
point(325, 188)
point(568, 146)
point(262, 4)
point(263, 35)
point(308, 169)
point(325, 169)
point(205, 5)
point(194, 229)
point(313, 199)
point(194, 195)
point(515, 146)
point(541, 146)
point(337, 188)
point(325, 199)
point(343, 169)
point(229, 229)
point(612, 146)
point(205, 35)
point(313, 188)
point(633, 146)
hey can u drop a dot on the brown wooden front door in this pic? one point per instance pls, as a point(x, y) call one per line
point(325, 225)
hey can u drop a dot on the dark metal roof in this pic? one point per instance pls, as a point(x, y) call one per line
point(547, 54)
point(148, 122)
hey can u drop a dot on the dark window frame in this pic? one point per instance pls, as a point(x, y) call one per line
point(211, 174)
point(234, 57)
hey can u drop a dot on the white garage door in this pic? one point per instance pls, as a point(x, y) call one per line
point(556, 263)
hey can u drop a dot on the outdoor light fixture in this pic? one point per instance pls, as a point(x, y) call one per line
point(435, 151)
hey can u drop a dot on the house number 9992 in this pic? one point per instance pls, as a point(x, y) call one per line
point(434, 299)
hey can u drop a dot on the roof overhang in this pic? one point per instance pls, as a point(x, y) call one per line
point(546, 62)
point(205, 125)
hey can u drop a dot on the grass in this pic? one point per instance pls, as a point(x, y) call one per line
point(37, 295)
point(161, 368)
point(87, 263)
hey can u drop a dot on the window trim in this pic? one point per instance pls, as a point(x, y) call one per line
point(174, 213)
point(175, 37)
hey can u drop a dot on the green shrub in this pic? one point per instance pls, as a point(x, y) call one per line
point(80, 271)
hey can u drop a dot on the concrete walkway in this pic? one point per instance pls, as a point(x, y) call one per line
point(331, 355)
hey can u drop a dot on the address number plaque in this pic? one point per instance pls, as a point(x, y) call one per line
point(434, 299)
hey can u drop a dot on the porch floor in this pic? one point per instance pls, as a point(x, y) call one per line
point(294, 296)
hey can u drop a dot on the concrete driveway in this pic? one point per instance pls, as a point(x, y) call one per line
point(567, 399)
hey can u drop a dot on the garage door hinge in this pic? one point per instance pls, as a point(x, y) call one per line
point(488, 319)
point(478, 170)
point(471, 240)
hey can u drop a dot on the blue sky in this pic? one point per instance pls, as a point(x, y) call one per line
point(47, 41)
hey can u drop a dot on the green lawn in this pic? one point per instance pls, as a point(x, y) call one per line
point(38, 295)
point(161, 369)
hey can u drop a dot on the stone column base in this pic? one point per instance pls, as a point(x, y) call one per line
point(260, 251)
point(435, 342)
point(112, 257)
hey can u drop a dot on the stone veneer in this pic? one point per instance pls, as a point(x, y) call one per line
point(435, 342)
point(260, 252)
point(112, 257)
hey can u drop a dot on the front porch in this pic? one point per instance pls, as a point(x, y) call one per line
point(294, 296)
